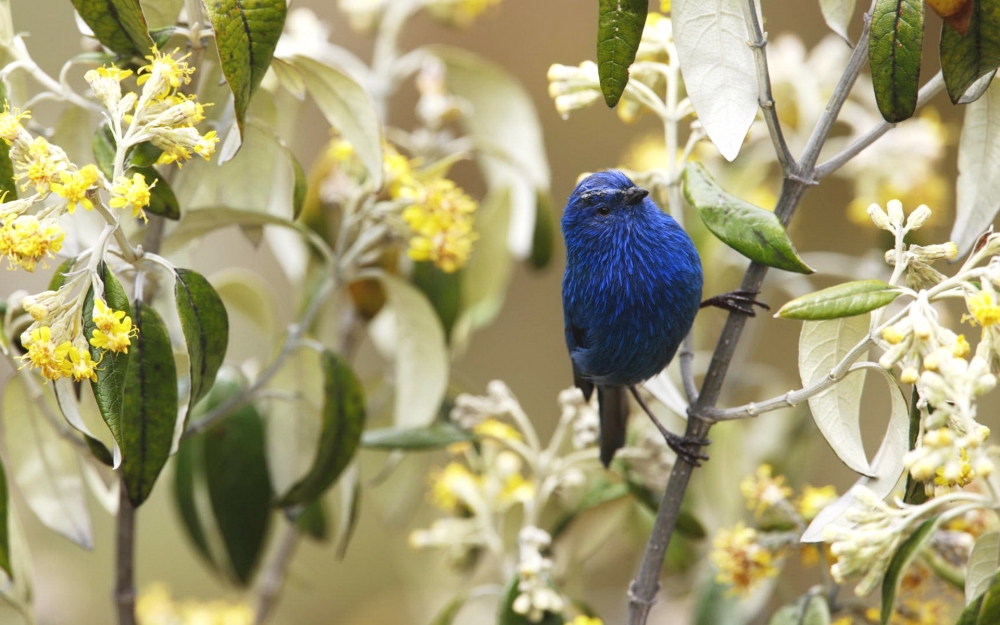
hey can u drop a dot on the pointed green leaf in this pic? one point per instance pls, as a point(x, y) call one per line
point(984, 560)
point(347, 107)
point(109, 389)
point(966, 59)
point(435, 436)
point(716, 605)
point(239, 487)
point(59, 276)
point(843, 300)
point(300, 187)
point(206, 329)
point(751, 231)
point(189, 469)
point(619, 29)
point(246, 33)
point(896, 41)
point(508, 616)
point(118, 24)
point(812, 609)
point(443, 290)
point(8, 190)
point(343, 422)
point(44, 466)
point(4, 533)
point(162, 200)
point(150, 407)
point(105, 150)
point(970, 615)
point(543, 239)
point(144, 154)
point(989, 610)
point(312, 521)
point(909, 550)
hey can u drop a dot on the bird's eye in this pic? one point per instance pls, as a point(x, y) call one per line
point(604, 210)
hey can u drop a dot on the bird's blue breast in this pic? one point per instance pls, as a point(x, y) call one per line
point(630, 293)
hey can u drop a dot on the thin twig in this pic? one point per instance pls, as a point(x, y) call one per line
point(125, 558)
point(928, 91)
point(642, 593)
point(273, 576)
point(687, 369)
point(758, 43)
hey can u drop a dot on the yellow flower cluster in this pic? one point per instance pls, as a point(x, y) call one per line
point(155, 606)
point(741, 560)
point(132, 194)
point(25, 240)
point(762, 490)
point(441, 220)
point(55, 354)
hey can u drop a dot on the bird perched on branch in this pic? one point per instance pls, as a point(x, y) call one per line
point(631, 291)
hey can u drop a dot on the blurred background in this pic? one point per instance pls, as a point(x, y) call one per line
point(381, 579)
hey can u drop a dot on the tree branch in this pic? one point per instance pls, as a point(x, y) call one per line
point(758, 43)
point(273, 576)
point(642, 593)
point(928, 91)
point(125, 558)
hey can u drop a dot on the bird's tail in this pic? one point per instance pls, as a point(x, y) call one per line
point(613, 403)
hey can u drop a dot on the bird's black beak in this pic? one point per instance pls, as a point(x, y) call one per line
point(634, 195)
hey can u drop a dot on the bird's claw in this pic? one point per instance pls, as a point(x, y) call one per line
point(687, 448)
point(738, 301)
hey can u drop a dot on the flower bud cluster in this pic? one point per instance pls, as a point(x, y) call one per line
point(574, 88)
point(536, 596)
point(583, 415)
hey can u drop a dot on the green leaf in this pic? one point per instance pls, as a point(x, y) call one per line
point(59, 276)
point(434, 436)
point(347, 107)
point(508, 616)
point(751, 231)
point(448, 613)
point(4, 530)
point(239, 487)
point(206, 329)
point(350, 508)
point(810, 609)
point(977, 190)
point(312, 520)
point(444, 290)
point(838, 14)
point(715, 606)
point(8, 189)
point(984, 560)
point(896, 41)
point(543, 240)
point(300, 187)
point(246, 32)
point(143, 154)
point(843, 300)
point(970, 615)
point(966, 59)
point(205, 220)
point(189, 474)
point(150, 407)
point(105, 150)
point(909, 550)
point(44, 465)
point(118, 24)
point(109, 389)
point(619, 29)
point(343, 422)
point(162, 200)
point(989, 610)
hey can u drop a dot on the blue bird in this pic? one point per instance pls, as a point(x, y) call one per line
point(631, 291)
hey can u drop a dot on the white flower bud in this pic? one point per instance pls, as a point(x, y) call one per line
point(918, 217)
point(879, 217)
point(895, 209)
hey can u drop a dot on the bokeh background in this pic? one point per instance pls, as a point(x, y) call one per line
point(381, 580)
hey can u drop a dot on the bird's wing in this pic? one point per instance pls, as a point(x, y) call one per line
point(576, 339)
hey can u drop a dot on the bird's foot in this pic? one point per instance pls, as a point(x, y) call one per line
point(687, 448)
point(738, 301)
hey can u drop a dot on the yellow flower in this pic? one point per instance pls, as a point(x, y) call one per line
point(179, 143)
point(452, 486)
point(762, 491)
point(741, 560)
point(163, 74)
point(74, 186)
point(25, 240)
point(40, 165)
point(491, 428)
point(516, 489)
point(458, 12)
point(983, 308)
point(46, 356)
point(83, 365)
point(586, 620)
point(10, 122)
point(813, 500)
point(441, 221)
point(961, 349)
point(114, 329)
point(205, 146)
point(132, 193)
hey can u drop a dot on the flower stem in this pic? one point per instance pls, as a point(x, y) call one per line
point(125, 559)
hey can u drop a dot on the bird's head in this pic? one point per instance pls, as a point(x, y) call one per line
point(603, 200)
